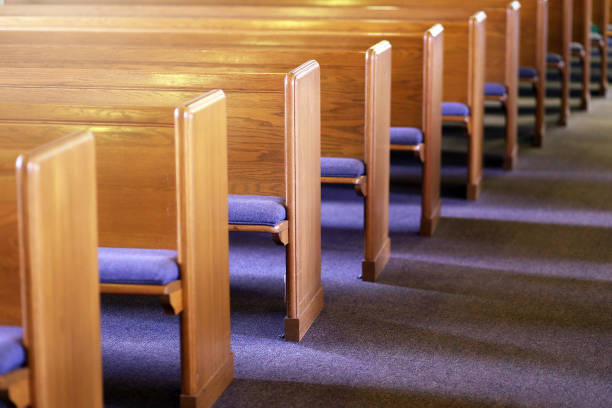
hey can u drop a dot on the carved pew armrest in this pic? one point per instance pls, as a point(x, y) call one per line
point(15, 387)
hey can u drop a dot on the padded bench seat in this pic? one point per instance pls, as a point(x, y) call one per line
point(494, 89)
point(576, 47)
point(256, 210)
point(528, 73)
point(455, 109)
point(341, 167)
point(12, 352)
point(137, 266)
point(408, 136)
point(553, 58)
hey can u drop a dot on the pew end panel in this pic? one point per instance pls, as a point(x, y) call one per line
point(433, 63)
point(377, 160)
point(203, 248)
point(303, 150)
point(513, 35)
point(67, 214)
point(581, 33)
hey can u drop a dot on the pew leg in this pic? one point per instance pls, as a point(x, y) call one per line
point(303, 290)
point(564, 71)
point(510, 112)
point(212, 390)
point(475, 136)
point(540, 115)
point(430, 192)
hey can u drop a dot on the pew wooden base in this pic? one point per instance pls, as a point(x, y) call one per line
point(473, 190)
point(171, 294)
point(296, 328)
point(15, 387)
point(511, 159)
point(360, 183)
point(603, 84)
point(371, 269)
point(280, 231)
point(419, 150)
point(429, 225)
point(560, 66)
point(212, 390)
point(584, 101)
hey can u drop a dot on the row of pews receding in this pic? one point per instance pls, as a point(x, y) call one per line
point(132, 139)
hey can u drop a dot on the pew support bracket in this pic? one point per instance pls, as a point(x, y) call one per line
point(280, 231)
point(171, 294)
point(360, 183)
point(418, 150)
point(15, 387)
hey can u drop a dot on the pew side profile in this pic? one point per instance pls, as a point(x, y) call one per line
point(581, 46)
point(600, 40)
point(464, 52)
point(558, 56)
point(349, 139)
point(415, 100)
point(59, 310)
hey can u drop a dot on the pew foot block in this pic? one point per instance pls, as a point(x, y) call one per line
point(473, 190)
point(15, 387)
point(296, 328)
point(212, 390)
point(511, 159)
point(429, 224)
point(371, 269)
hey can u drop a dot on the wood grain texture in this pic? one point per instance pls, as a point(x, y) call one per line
point(581, 33)
point(203, 248)
point(59, 270)
point(303, 149)
point(377, 129)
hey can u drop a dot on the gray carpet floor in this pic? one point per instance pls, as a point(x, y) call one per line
point(508, 305)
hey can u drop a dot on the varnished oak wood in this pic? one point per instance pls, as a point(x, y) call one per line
point(559, 38)
point(15, 387)
point(59, 265)
point(280, 231)
point(171, 294)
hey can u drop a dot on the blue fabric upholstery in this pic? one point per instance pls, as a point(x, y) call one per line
point(137, 266)
point(455, 109)
point(494, 89)
point(553, 58)
point(528, 72)
point(609, 44)
point(595, 36)
point(341, 167)
point(256, 210)
point(577, 47)
point(12, 353)
point(406, 136)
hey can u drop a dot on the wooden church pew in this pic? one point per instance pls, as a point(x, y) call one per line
point(559, 53)
point(502, 34)
point(136, 180)
point(581, 46)
point(355, 108)
point(264, 123)
point(601, 17)
point(59, 310)
point(415, 100)
point(184, 33)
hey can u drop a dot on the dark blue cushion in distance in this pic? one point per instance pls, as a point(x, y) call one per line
point(455, 109)
point(256, 210)
point(575, 46)
point(12, 353)
point(341, 167)
point(137, 266)
point(407, 136)
point(494, 89)
point(554, 58)
point(528, 72)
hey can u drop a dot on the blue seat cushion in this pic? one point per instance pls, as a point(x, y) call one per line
point(595, 36)
point(609, 44)
point(554, 58)
point(494, 89)
point(406, 136)
point(575, 46)
point(256, 210)
point(12, 352)
point(341, 167)
point(137, 266)
point(455, 109)
point(528, 72)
